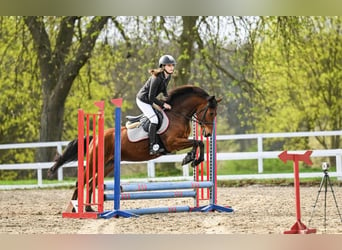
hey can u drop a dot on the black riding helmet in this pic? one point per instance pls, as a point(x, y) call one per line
point(166, 59)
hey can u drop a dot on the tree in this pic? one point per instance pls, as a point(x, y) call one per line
point(225, 55)
point(20, 91)
point(299, 73)
point(187, 41)
point(60, 60)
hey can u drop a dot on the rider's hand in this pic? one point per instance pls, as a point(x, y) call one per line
point(166, 106)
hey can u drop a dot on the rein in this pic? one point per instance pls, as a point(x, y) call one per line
point(201, 121)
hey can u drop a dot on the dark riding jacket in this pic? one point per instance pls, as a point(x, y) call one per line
point(155, 85)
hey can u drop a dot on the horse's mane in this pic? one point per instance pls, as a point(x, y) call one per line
point(185, 90)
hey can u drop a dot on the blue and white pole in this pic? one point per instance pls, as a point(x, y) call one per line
point(117, 160)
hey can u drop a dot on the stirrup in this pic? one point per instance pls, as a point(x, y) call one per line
point(155, 149)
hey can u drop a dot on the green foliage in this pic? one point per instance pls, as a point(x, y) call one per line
point(168, 169)
point(300, 81)
point(11, 175)
point(8, 175)
point(20, 101)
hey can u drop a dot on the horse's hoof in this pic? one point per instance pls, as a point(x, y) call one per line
point(188, 158)
point(185, 161)
point(195, 163)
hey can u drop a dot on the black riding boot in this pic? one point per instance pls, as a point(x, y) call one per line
point(154, 147)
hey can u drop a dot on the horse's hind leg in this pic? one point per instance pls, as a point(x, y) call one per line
point(75, 196)
point(88, 208)
point(108, 169)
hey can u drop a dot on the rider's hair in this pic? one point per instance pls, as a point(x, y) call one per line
point(155, 72)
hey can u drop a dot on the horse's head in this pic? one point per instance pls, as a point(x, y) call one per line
point(206, 114)
point(189, 100)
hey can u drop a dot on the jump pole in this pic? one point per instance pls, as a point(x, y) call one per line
point(196, 185)
point(117, 160)
point(79, 204)
point(213, 176)
point(136, 190)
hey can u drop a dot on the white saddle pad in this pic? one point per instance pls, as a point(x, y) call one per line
point(138, 133)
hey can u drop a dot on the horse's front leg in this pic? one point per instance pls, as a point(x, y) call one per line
point(191, 156)
point(108, 169)
point(201, 155)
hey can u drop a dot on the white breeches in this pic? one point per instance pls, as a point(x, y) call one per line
point(148, 111)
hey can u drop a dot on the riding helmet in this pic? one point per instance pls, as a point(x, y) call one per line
point(166, 59)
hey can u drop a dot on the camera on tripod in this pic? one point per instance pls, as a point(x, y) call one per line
point(325, 166)
point(325, 183)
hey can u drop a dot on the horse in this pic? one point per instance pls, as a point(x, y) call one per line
point(188, 102)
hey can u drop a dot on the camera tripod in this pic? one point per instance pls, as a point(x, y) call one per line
point(325, 181)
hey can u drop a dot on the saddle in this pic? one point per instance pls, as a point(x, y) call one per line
point(141, 120)
point(137, 126)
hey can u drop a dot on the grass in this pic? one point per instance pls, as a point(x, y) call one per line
point(67, 181)
point(305, 182)
point(220, 183)
point(271, 166)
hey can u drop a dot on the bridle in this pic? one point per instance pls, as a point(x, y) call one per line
point(194, 118)
point(201, 121)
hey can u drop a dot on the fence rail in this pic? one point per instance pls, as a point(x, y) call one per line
point(259, 155)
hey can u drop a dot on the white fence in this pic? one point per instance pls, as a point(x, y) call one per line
point(259, 155)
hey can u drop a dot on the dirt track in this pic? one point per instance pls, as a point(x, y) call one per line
point(258, 210)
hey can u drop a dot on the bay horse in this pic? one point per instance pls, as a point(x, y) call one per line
point(188, 102)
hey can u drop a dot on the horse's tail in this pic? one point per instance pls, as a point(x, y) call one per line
point(69, 154)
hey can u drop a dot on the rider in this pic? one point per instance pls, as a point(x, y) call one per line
point(147, 96)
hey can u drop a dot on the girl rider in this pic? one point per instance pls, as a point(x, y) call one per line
point(147, 95)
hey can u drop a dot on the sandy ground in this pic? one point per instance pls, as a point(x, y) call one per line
point(257, 210)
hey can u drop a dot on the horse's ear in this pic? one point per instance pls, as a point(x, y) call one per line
point(213, 98)
point(218, 100)
point(213, 101)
